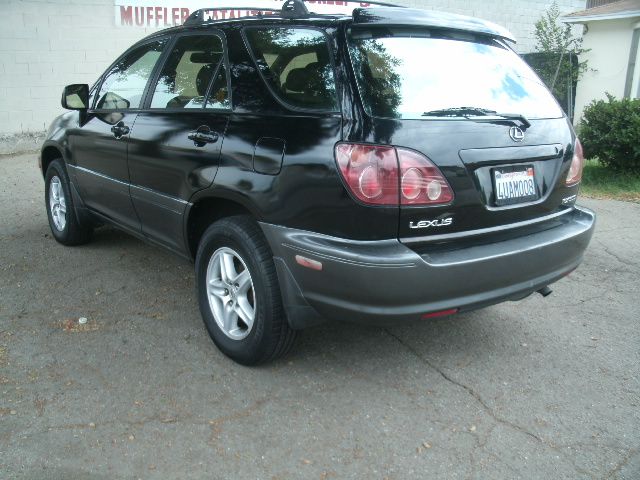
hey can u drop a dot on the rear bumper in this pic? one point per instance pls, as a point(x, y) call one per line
point(385, 282)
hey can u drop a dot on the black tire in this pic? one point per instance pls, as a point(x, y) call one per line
point(73, 232)
point(270, 336)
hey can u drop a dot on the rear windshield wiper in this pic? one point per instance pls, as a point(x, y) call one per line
point(468, 112)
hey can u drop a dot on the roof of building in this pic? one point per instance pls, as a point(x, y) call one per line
point(610, 11)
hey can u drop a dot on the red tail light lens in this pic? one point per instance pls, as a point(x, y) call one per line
point(577, 164)
point(421, 182)
point(383, 175)
point(371, 172)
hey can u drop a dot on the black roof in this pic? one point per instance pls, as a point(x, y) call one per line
point(385, 16)
point(427, 18)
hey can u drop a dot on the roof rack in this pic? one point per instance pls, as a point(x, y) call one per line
point(294, 9)
point(290, 9)
point(383, 4)
point(207, 14)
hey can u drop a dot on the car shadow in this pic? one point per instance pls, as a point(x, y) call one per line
point(454, 338)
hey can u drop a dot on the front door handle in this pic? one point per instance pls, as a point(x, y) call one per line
point(119, 130)
point(203, 135)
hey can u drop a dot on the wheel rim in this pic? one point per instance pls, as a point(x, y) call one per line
point(230, 293)
point(57, 204)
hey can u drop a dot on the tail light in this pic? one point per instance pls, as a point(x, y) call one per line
point(421, 182)
point(577, 164)
point(371, 172)
point(383, 175)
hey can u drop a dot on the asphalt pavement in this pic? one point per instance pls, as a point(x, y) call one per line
point(544, 388)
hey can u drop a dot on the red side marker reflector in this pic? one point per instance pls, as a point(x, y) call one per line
point(441, 313)
point(307, 262)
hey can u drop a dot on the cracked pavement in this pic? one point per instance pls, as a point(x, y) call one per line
point(542, 388)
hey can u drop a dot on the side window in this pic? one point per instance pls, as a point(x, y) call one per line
point(123, 86)
point(219, 96)
point(92, 95)
point(194, 68)
point(296, 64)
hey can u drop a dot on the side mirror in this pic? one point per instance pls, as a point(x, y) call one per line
point(75, 97)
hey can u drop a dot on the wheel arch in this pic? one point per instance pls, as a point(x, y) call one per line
point(208, 209)
point(49, 153)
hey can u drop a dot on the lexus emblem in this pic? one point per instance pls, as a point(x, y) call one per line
point(516, 134)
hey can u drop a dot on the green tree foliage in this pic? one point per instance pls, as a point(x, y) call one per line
point(610, 130)
point(556, 42)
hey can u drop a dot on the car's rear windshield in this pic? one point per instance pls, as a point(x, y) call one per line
point(418, 73)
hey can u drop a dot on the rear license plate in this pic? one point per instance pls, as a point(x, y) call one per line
point(514, 185)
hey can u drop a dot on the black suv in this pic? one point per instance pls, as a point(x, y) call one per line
point(379, 167)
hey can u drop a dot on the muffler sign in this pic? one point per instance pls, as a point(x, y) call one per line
point(163, 14)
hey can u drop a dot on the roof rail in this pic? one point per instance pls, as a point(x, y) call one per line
point(384, 4)
point(207, 14)
point(290, 9)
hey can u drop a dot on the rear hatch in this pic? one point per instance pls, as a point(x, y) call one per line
point(470, 105)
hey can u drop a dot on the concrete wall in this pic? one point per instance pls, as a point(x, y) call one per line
point(519, 16)
point(46, 44)
point(609, 42)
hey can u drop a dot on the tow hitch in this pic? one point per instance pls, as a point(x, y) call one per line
point(545, 291)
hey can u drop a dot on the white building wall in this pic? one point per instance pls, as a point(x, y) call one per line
point(46, 44)
point(609, 42)
point(519, 16)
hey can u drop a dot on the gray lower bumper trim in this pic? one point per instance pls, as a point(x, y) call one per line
point(385, 282)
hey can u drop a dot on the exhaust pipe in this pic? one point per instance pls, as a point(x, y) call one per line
point(545, 291)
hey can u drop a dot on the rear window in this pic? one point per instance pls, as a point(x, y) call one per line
point(406, 73)
point(295, 64)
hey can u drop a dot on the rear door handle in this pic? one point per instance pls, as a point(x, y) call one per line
point(119, 130)
point(203, 135)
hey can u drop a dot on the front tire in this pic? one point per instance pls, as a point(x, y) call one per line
point(63, 221)
point(238, 292)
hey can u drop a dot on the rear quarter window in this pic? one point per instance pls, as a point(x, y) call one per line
point(295, 63)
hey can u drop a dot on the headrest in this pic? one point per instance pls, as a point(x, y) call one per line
point(204, 77)
point(205, 57)
point(297, 80)
point(313, 67)
point(305, 79)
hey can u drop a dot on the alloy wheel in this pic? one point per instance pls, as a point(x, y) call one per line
point(231, 294)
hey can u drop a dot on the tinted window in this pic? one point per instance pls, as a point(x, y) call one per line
point(92, 95)
point(403, 74)
point(124, 84)
point(219, 94)
point(296, 64)
point(194, 65)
